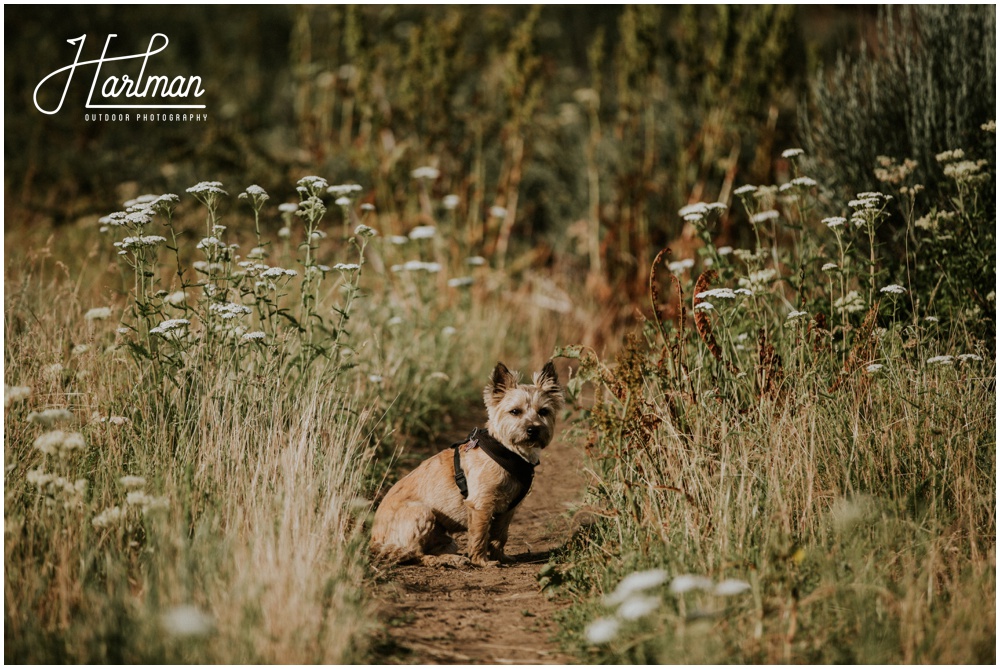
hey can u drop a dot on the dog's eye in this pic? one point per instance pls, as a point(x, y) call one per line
point(515, 412)
point(544, 411)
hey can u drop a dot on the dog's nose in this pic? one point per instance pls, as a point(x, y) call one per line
point(533, 432)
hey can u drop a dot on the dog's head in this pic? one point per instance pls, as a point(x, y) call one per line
point(523, 417)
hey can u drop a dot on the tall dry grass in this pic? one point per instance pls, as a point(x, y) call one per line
point(188, 494)
point(244, 547)
point(804, 474)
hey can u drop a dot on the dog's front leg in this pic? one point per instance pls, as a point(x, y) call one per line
point(498, 536)
point(480, 517)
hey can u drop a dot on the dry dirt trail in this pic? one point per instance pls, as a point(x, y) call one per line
point(488, 615)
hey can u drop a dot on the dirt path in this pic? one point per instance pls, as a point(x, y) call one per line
point(493, 615)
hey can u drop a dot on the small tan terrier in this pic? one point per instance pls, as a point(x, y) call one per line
point(476, 485)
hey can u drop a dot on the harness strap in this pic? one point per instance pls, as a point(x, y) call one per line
point(522, 471)
point(463, 485)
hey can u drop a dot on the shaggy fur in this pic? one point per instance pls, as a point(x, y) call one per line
point(419, 514)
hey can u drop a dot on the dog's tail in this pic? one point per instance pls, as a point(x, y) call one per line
point(384, 557)
point(392, 555)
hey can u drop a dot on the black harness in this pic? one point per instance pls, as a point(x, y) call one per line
point(522, 470)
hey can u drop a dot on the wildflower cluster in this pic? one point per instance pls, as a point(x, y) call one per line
point(633, 602)
point(53, 479)
point(229, 296)
point(15, 394)
point(137, 500)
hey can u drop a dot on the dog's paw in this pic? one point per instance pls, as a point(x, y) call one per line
point(501, 557)
point(482, 561)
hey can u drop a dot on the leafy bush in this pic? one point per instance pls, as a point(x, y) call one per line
point(925, 89)
point(926, 86)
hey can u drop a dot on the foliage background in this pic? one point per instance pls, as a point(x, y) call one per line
point(689, 99)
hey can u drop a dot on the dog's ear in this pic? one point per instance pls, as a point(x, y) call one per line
point(501, 380)
point(547, 380)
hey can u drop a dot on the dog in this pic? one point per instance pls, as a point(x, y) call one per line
point(476, 485)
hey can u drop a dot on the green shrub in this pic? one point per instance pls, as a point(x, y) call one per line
point(926, 87)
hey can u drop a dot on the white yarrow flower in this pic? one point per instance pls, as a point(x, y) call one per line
point(941, 360)
point(602, 630)
point(638, 606)
point(313, 183)
point(107, 518)
point(60, 443)
point(635, 583)
point(679, 266)
point(346, 266)
point(423, 232)
point(429, 173)
point(232, 309)
point(49, 417)
point(697, 209)
point(168, 325)
point(209, 242)
point(13, 394)
point(146, 502)
point(851, 303)
point(688, 582)
point(723, 293)
point(211, 187)
point(344, 189)
point(894, 289)
point(792, 153)
point(140, 242)
point(187, 621)
point(97, 314)
point(730, 586)
point(132, 482)
point(175, 298)
point(764, 216)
